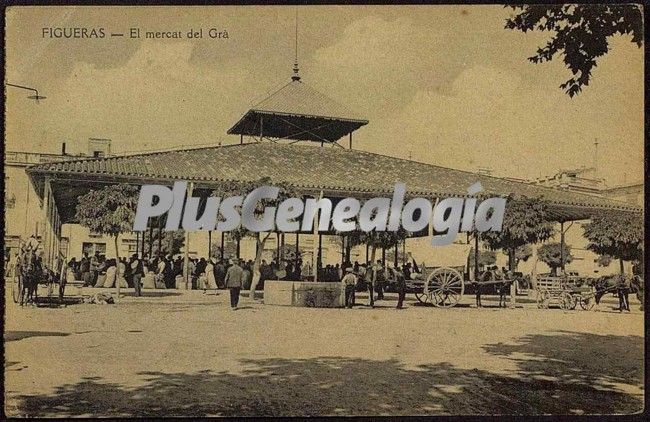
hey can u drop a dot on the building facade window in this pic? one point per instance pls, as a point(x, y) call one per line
point(92, 248)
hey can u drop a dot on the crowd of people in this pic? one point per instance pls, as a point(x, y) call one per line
point(98, 271)
point(375, 278)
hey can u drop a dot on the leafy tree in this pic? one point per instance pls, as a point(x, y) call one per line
point(109, 211)
point(485, 258)
point(580, 33)
point(525, 221)
point(604, 260)
point(288, 253)
point(171, 242)
point(522, 253)
point(619, 236)
point(551, 256)
point(377, 240)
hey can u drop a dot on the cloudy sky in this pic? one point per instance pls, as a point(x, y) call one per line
point(446, 85)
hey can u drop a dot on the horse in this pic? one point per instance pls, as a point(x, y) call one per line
point(503, 289)
point(606, 284)
point(501, 285)
point(30, 272)
point(486, 276)
point(619, 284)
point(637, 286)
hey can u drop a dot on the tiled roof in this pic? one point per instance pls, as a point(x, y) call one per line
point(296, 97)
point(309, 168)
point(297, 111)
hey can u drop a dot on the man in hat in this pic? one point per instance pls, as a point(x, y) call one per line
point(234, 281)
point(137, 272)
point(349, 283)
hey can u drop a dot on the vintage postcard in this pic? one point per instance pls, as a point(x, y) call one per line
point(324, 210)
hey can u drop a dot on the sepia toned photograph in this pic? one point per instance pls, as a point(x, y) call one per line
point(324, 210)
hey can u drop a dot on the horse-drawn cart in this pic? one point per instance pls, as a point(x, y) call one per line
point(26, 277)
point(567, 291)
point(442, 285)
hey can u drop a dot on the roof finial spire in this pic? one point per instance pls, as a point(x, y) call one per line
point(296, 76)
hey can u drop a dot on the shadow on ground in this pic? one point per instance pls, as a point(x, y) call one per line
point(153, 293)
point(552, 377)
point(19, 335)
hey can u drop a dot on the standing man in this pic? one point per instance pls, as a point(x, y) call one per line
point(349, 284)
point(401, 288)
point(380, 277)
point(94, 268)
point(84, 268)
point(623, 293)
point(369, 278)
point(234, 281)
point(168, 272)
point(220, 274)
point(137, 272)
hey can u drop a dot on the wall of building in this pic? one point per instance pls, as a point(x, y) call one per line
point(22, 207)
point(632, 194)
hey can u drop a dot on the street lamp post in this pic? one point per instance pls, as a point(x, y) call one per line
point(36, 95)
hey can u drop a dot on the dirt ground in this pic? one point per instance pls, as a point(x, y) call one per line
point(175, 353)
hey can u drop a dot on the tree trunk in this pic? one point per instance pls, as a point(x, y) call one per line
point(620, 260)
point(511, 267)
point(372, 263)
point(117, 263)
point(256, 264)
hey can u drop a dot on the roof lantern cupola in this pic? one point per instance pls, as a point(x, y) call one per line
point(296, 112)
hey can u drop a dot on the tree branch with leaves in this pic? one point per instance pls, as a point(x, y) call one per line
point(619, 236)
point(109, 211)
point(580, 34)
point(526, 221)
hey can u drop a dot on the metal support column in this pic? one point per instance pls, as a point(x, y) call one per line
point(186, 257)
point(396, 254)
point(45, 236)
point(562, 246)
point(159, 237)
point(476, 256)
point(222, 245)
point(297, 248)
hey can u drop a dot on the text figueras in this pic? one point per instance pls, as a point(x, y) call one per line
point(449, 217)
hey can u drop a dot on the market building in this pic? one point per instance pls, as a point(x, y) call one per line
point(296, 137)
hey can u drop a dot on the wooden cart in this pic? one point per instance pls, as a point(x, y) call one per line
point(566, 291)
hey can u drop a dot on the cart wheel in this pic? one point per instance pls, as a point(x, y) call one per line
point(587, 302)
point(567, 302)
point(422, 298)
point(17, 288)
point(444, 287)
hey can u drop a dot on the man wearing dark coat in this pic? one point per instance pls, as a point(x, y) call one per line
point(234, 281)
